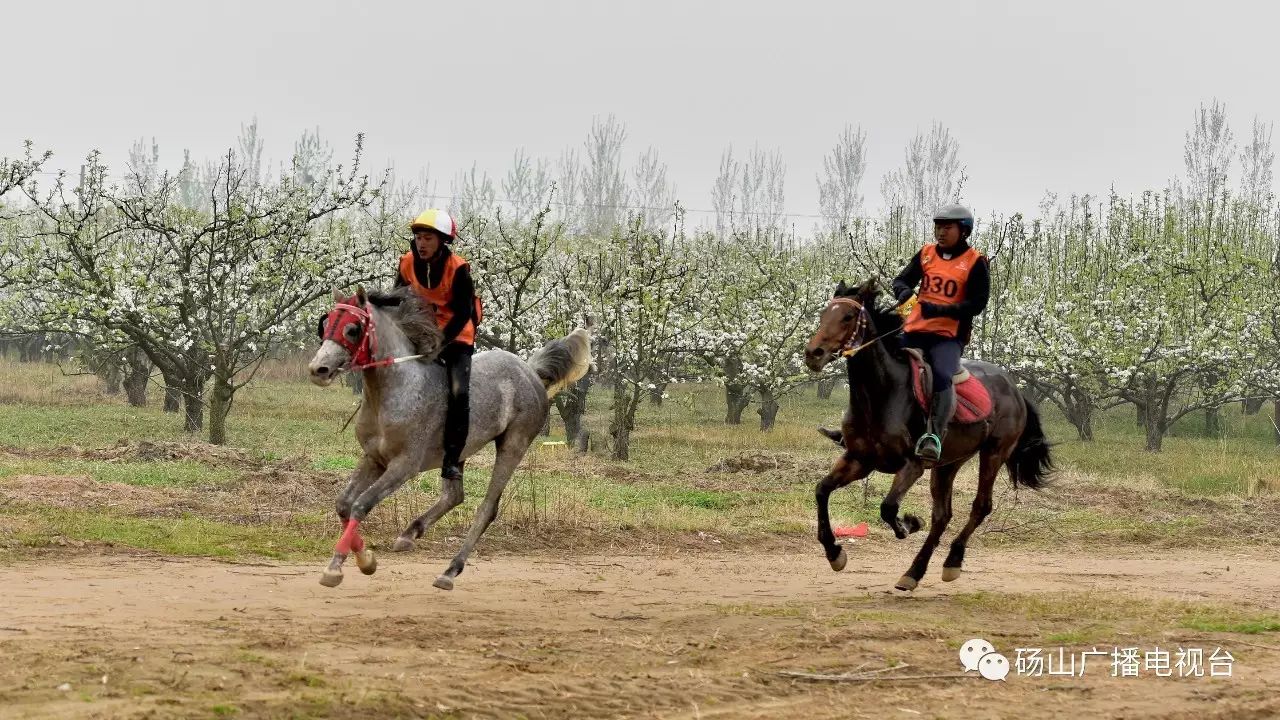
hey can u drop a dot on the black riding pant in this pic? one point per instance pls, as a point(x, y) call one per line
point(943, 354)
point(456, 358)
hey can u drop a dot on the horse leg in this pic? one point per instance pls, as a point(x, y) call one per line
point(510, 453)
point(988, 469)
point(846, 470)
point(902, 482)
point(941, 481)
point(451, 496)
point(400, 469)
point(367, 470)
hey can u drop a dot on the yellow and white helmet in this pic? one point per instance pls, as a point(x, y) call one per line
point(438, 220)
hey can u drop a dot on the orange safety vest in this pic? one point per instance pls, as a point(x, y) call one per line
point(442, 293)
point(944, 283)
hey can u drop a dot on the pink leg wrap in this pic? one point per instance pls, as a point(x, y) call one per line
point(350, 539)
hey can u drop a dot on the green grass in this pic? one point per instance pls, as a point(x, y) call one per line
point(1066, 619)
point(40, 527)
point(1110, 609)
point(1231, 623)
point(1176, 495)
point(180, 473)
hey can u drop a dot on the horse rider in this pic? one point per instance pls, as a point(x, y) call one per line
point(443, 278)
point(954, 283)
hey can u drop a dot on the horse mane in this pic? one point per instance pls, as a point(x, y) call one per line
point(415, 317)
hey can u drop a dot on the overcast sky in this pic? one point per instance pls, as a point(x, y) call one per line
point(1062, 96)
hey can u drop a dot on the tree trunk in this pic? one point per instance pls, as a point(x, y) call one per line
point(768, 410)
point(1155, 434)
point(219, 407)
point(1213, 422)
point(1142, 414)
point(737, 398)
point(193, 404)
point(825, 387)
point(1253, 405)
point(1155, 413)
point(172, 398)
point(1080, 414)
point(1082, 419)
point(625, 401)
point(546, 425)
point(572, 406)
point(25, 345)
point(172, 390)
point(135, 383)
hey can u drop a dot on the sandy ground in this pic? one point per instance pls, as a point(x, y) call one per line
point(692, 635)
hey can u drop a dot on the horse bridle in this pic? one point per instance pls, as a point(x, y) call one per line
point(851, 345)
point(364, 352)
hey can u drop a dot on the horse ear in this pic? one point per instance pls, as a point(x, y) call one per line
point(841, 288)
point(869, 288)
point(361, 297)
point(337, 295)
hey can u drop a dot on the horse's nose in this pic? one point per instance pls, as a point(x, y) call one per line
point(320, 371)
point(815, 358)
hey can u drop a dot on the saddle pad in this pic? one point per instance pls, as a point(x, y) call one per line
point(973, 402)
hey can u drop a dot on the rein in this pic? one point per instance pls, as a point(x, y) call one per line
point(849, 348)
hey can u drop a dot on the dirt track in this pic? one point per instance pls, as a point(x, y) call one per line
point(698, 635)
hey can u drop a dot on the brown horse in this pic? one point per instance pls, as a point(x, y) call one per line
point(884, 417)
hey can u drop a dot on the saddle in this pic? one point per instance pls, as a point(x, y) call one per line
point(973, 401)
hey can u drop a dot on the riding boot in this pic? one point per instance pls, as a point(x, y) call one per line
point(457, 420)
point(451, 467)
point(942, 404)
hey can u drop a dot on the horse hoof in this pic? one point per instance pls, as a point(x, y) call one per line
point(367, 563)
point(841, 560)
point(906, 583)
point(331, 578)
point(913, 523)
point(949, 574)
point(402, 544)
point(444, 583)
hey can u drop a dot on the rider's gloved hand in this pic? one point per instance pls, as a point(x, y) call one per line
point(907, 303)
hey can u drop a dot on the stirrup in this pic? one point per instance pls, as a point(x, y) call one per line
point(935, 442)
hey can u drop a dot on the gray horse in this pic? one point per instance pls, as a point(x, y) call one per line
point(401, 418)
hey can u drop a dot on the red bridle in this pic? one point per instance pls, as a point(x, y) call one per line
point(363, 350)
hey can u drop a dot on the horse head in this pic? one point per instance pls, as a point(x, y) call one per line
point(345, 336)
point(844, 324)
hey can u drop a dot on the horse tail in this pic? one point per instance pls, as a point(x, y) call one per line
point(563, 361)
point(1030, 464)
